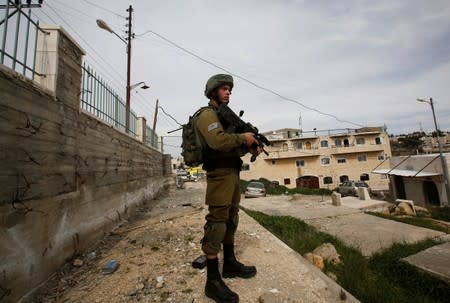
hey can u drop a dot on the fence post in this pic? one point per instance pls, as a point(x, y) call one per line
point(141, 129)
point(59, 57)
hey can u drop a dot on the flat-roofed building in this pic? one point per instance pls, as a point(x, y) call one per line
point(322, 158)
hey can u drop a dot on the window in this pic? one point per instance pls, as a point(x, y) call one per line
point(308, 145)
point(338, 142)
point(362, 158)
point(298, 145)
point(245, 166)
point(341, 160)
point(324, 143)
point(274, 162)
point(327, 180)
point(377, 140)
point(325, 161)
point(343, 178)
point(287, 181)
point(300, 163)
point(285, 147)
point(364, 177)
point(346, 144)
point(360, 141)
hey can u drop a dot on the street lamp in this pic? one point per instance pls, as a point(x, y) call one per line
point(103, 25)
point(144, 86)
point(443, 160)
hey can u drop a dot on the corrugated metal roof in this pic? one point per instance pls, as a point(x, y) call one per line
point(405, 173)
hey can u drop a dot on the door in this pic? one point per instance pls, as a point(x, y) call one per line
point(399, 187)
point(431, 193)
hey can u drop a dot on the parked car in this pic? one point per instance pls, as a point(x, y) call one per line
point(255, 189)
point(350, 188)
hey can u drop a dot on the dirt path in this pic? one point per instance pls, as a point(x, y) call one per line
point(155, 249)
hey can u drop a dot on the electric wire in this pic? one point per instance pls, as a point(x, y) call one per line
point(87, 43)
point(170, 116)
point(118, 86)
point(80, 12)
point(105, 9)
point(147, 110)
point(249, 81)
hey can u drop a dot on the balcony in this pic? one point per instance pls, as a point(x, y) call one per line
point(292, 153)
point(358, 148)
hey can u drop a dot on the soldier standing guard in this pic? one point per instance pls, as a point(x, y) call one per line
point(222, 162)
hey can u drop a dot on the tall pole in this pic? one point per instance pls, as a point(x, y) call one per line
point(154, 123)
point(130, 35)
point(443, 160)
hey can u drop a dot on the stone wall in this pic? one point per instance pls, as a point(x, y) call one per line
point(67, 178)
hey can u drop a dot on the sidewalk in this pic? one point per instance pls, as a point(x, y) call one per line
point(349, 224)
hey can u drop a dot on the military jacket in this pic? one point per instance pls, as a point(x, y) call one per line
point(221, 149)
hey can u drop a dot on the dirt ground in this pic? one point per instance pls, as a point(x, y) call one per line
point(155, 248)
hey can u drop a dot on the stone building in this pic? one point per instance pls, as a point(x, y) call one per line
point(322, 159)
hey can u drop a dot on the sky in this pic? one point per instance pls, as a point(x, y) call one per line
point(364, 63)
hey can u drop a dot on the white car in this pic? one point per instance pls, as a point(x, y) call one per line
point(255, 189)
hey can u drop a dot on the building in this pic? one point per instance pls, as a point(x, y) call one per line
point(322, 159)
point(431, 145)
point(418, 178)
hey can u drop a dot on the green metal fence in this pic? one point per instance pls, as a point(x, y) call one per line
point(19, 32)
point(98, 98)
point(152, 138)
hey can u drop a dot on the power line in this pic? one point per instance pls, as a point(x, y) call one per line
point(249, 81)
point(87, 45)
point(169, 115)
point(105, 9)
point(79, 12)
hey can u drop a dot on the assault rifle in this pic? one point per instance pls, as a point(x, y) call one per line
point(234, 124)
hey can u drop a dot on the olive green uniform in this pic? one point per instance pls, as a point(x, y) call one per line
point(222, 163)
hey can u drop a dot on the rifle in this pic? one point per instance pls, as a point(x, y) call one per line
point(234, 124)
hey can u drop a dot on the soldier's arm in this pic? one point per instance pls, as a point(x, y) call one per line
point(212, 131)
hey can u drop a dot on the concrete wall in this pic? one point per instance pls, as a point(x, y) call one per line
point(67, 178)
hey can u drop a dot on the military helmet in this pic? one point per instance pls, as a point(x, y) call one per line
point(217, 81)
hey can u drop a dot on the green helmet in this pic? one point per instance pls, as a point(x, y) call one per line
point(217, 81)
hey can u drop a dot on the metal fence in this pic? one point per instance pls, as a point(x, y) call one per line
point(98, 98)
point(19, 32)
point(152, 138)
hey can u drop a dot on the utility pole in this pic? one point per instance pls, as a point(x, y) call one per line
point(443, 159)
point(130, 36)
point(154, 123)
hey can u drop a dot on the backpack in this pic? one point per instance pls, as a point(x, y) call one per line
point(192, 148)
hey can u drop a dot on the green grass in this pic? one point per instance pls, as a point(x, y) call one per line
point(441, 213)
point(417, 221)
point(283, 190)
point(381, 278)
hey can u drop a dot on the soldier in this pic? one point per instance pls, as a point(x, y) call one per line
point(222, 163)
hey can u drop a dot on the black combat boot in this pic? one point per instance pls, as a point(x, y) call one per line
point(215, 288)
point(232, 268)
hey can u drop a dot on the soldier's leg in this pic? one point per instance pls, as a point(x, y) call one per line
point(219, 201)
point(231, 267)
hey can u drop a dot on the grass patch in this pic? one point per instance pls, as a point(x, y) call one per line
point(381, 278)
point(272, 189)
point(441, 213)
point(417, 221)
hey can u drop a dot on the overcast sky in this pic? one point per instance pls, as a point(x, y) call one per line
point(364, 62)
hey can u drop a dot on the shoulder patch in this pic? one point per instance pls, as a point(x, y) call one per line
point(213, 126)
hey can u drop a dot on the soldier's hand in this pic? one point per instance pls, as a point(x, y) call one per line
point(250, 137)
